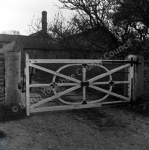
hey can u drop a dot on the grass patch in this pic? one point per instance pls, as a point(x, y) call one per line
point(8, 113)
point(141, 104)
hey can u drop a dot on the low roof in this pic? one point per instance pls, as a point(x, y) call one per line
point(30, 42)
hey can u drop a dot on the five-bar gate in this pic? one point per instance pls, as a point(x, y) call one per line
point(74, 84)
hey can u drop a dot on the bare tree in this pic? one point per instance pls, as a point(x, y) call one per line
point(93, 14)
point(89, 30)
point(35, 25)
point(131, 20)
point(65, 31)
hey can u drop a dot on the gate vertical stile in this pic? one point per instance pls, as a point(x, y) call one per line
point(27, 86)
point(84, 87)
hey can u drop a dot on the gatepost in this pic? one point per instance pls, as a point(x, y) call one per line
point(12, 55)
point(137, 83)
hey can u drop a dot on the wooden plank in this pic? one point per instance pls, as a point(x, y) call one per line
point(68, 84)
point(99, 83)
point(84, 87)
point(55, 73)
point(105, 83)
point(55, 96)
point(67, 107)
point(27, 86)
point(40, 85)
point(110, 93)
point(71, 107)
point(121, 82)
point(78, 61)
point(66, 61)
point(57, 84)
point(108, 73)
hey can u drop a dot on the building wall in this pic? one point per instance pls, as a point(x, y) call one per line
point(2, 78)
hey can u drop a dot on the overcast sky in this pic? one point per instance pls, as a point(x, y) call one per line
point(17, 14)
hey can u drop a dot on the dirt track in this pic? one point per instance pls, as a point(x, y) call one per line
point(104, 128)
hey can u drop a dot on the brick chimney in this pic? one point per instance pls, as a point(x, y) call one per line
point(44, 22)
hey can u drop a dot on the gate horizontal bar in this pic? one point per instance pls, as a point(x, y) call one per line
point(56, 84)
point(115, 82)
point(70, 107)
point(80, 61)
point(40, 85)
point(121, 82)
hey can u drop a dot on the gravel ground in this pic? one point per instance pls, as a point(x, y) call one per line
point(105, 128)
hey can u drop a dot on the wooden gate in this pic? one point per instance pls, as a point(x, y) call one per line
point(82, 84)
